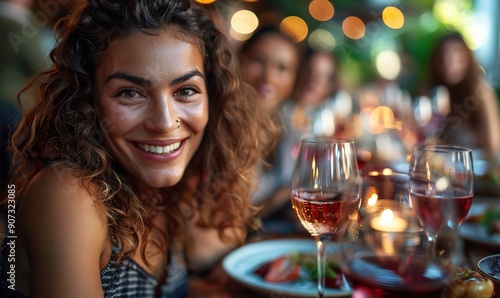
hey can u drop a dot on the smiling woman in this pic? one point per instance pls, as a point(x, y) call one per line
point(137, 162)
point(149, 95)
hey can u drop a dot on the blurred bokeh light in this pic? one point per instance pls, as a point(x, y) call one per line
point(322, 40)
point(244, 22)
point(381, 118)
point(393, 17)
point(238, 36)
point(388, 64)
point(321, 10)
point(295, 27)
point(353, 27)
point(205, 1)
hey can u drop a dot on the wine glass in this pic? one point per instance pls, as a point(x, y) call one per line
point(383, 250)
point(325, 191)
point(441, 187)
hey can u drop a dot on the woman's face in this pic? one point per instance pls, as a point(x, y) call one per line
point(319, 81)
point(455, 62)
point(152, 102)
point(270, 66)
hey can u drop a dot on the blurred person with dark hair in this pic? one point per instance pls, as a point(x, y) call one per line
point(472, 118)
point(319, 90)
point(24, 52)
point(317, 102)
point(270, 61)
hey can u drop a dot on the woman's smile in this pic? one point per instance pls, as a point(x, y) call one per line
point(159, 149)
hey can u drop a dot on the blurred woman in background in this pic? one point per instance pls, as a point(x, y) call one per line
point(473, 117)
point(270, 63)
point(320, 105)
point(316, 104)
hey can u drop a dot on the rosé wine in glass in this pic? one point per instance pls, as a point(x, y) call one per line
point(322, 213)
point(325, 191)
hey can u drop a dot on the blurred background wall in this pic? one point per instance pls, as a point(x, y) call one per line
point(362, 31)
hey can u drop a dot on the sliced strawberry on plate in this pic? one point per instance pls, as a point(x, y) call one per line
point(262, 269)
point(282, 269)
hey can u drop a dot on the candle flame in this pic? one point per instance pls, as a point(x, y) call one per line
point(386, 172)
point(372, 200)
point(387, 215)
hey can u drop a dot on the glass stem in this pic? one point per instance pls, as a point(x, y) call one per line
point(431, 245)
point(321, 244)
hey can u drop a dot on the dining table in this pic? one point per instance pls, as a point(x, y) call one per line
point(219, 284)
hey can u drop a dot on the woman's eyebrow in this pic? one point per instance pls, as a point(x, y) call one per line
point(186, 77)
point(131, 78)
point(148, 83)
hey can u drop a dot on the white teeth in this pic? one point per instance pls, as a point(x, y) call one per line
point(159, 149)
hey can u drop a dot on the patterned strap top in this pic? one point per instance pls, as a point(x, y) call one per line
point(125, 280)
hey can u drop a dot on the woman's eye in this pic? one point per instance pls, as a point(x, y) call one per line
point(282, 68)
point(186, 92)
point(128, 93)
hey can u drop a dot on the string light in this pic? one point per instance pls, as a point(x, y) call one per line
point(321, 10)
point(353, 27)
point(393, 17)
point(294, 27)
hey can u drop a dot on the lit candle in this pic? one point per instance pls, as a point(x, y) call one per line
point(372, 200)
point(387, 243)
point(387, 222)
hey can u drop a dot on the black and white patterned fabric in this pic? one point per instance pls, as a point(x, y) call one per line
point(127, 279)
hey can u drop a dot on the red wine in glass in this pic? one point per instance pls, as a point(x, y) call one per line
point(441, 188)
point(433, 211)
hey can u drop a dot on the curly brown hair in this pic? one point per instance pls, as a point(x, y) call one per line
point(64, 129)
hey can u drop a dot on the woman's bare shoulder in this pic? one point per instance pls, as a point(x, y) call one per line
point(55, 175)
point(57, 185)
point(59, 199)
point(64, 233)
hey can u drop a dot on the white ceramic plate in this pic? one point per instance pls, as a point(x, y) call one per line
point(489, 266)
point(476, 232)
point(242, 262)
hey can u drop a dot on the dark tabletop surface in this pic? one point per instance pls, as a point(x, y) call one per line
point(218, 284)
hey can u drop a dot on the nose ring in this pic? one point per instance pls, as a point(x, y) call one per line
point(178, 123)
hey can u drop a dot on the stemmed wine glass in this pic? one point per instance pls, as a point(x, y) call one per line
point(441, 187)
point(325, 191)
